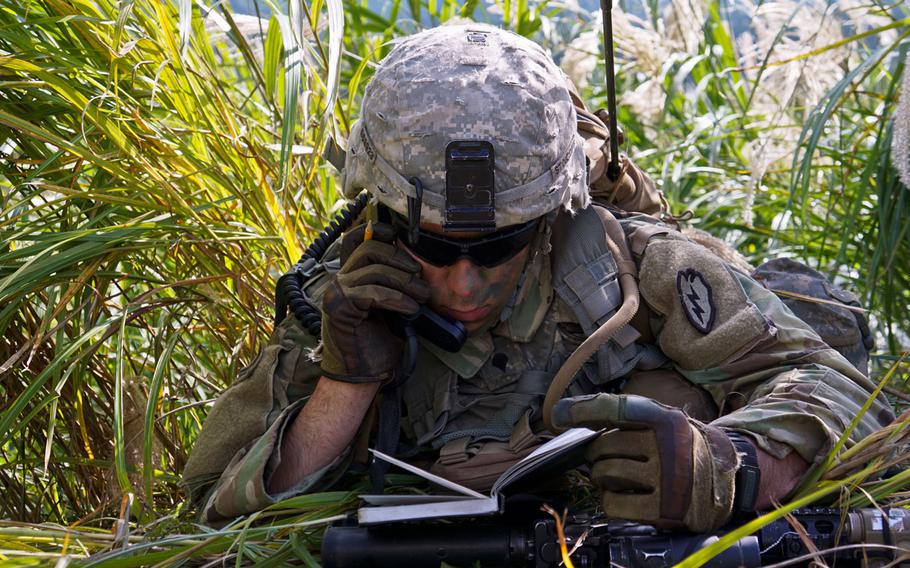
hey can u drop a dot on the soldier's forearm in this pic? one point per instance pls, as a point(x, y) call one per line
point(322, 430)
point(778, 477)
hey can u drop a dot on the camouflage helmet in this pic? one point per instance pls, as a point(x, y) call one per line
point(468, 82)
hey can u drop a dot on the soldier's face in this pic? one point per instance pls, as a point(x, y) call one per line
point(469, 293)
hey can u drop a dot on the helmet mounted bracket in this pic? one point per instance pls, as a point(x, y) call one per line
point(469, 197)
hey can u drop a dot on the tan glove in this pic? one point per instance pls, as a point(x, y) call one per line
point(656, 465)
point(375, 278)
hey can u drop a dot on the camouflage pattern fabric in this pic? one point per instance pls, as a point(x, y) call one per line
point(776, 379)
point(237, 448)
point(782, 384)
point(834, 313)
point(469, 82)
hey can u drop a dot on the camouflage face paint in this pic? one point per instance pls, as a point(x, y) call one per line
point(469, 293)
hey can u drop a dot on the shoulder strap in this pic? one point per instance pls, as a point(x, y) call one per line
point(639, 233)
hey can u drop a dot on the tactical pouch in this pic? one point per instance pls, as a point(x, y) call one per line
point(834, 313)
point(477, 464)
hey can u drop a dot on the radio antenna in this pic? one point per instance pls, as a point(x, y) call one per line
point(613, 169)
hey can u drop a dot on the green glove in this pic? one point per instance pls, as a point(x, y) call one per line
point(375, 276)
point(655, 465)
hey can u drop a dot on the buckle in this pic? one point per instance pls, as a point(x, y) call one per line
point(305, 269)
point(454, 451)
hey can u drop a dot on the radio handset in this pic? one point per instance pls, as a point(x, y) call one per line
point(449, 335)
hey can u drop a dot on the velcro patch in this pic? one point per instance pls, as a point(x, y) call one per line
point(478, 37)
point(697, 299)
point(672, 270)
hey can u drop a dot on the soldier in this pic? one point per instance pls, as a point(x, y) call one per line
point(718, 399)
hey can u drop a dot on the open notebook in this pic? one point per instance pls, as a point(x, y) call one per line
point(558, 455)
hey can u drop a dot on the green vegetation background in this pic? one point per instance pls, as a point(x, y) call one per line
point(160, 166)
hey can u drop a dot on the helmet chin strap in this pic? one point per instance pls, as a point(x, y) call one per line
point(539, 248)
point(415, 204)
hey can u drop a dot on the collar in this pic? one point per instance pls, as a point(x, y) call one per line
point(467, 362)
point(526, 310)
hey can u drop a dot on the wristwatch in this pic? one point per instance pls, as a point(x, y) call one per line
point(748, 475)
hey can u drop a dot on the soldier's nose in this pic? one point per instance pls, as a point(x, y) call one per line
point(464, 278)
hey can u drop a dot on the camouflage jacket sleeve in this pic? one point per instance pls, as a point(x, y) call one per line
point(238, 447)
point(770, 375)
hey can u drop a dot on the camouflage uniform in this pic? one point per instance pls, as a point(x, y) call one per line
point(783, 385)
point(755, 367)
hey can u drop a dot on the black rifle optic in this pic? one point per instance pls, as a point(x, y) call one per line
point(862, 537)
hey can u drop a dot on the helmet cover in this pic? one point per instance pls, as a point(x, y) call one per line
point(468, 82)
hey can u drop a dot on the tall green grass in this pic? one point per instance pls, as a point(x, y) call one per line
point(155, 182)
point(780, 143)
point(162, 166)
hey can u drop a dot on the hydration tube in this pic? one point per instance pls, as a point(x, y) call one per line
point(288, 290)
point(628, 274)
point(616, 242)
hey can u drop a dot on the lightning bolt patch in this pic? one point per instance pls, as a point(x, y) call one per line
point(697, 299)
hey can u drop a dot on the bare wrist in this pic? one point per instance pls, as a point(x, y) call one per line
point(778, 477)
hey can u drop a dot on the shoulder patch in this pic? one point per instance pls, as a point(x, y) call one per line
point(697, 299)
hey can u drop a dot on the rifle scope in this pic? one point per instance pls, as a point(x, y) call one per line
point(393, 546)
point(862, 537)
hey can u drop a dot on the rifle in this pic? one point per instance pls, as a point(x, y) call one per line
point(862, 537)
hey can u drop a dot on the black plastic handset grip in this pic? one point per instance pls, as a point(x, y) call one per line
point(442, 332)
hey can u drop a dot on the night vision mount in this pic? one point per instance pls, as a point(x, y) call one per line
point(470, 205)
point(469, 197)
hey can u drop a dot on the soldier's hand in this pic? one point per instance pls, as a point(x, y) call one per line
point(375, 277)
point(655, 465)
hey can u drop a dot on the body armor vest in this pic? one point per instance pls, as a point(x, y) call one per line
point(505, 393)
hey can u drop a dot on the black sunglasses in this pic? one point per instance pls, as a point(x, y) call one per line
point(487, 251)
